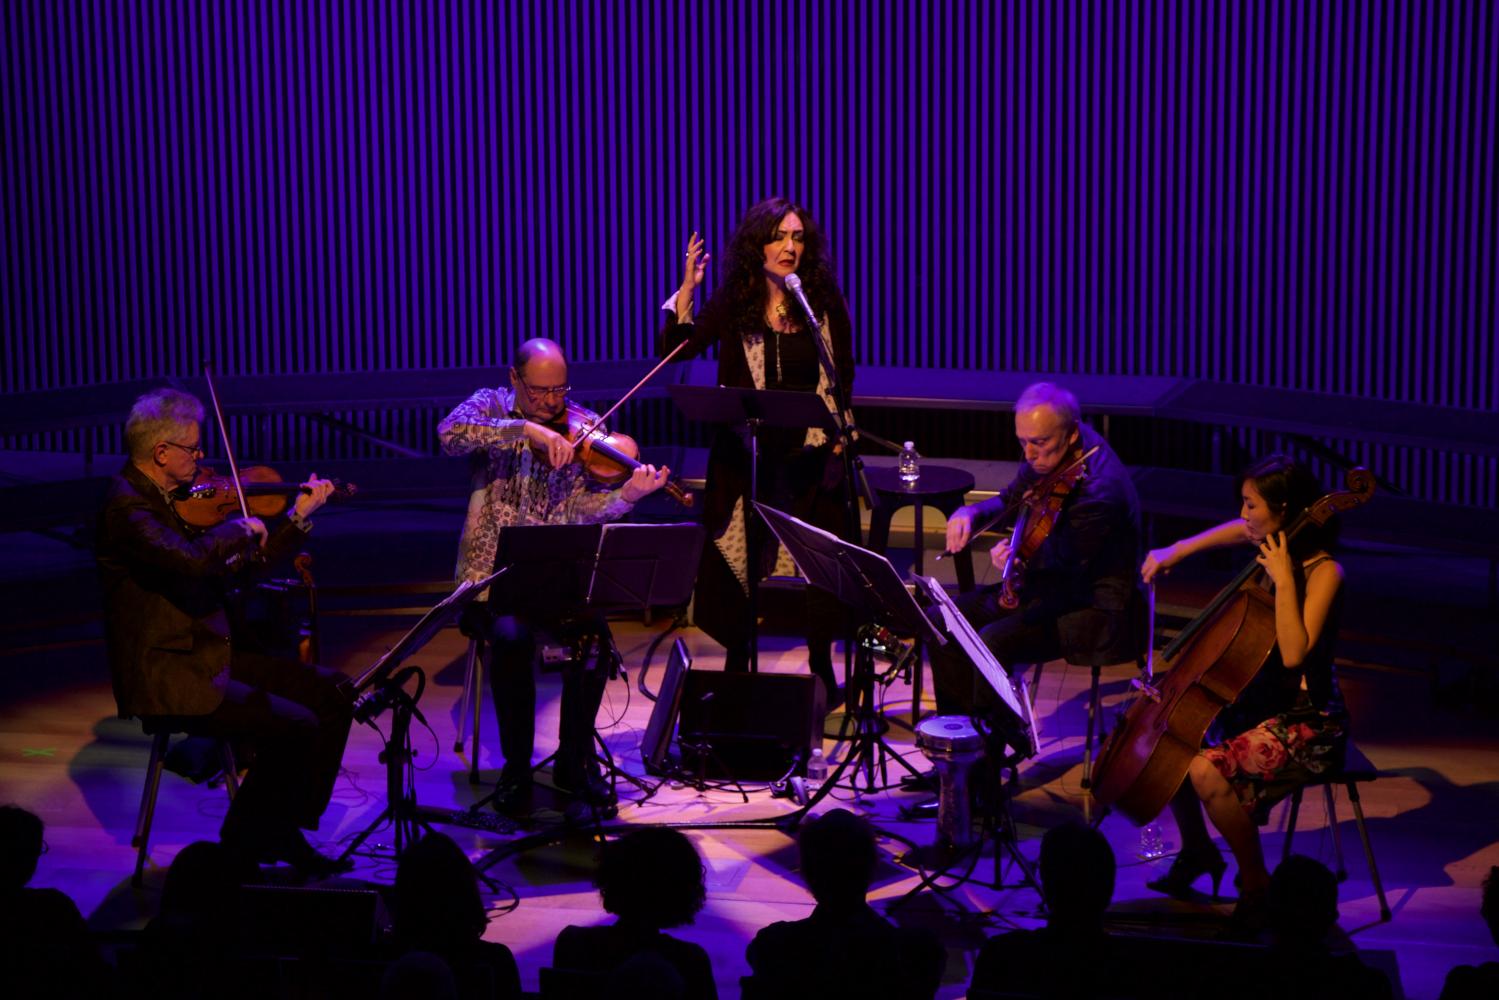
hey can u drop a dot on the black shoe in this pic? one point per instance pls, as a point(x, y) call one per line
point(924, 782)
point(292, 848)
point(1187, 868)
point(512, 793)
point(584, 785)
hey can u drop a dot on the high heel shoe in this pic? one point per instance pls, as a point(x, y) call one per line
point(1186, 869)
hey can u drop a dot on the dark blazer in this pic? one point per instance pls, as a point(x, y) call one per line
point(164, 583)
point(1086, 573)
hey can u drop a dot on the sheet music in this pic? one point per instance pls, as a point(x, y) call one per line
point(436, 618)
point(990, 668)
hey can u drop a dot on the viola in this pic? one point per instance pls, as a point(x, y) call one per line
point(210, 499)
point(1210, 663)
point(608, 458)
point(1040, 506)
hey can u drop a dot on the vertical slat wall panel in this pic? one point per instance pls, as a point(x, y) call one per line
point(1294, 195)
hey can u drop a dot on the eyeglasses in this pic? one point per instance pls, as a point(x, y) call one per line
point(545, 391)
point(192, 449)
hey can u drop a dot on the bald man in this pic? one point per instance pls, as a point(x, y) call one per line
point(525, 474)
point(1076, 590)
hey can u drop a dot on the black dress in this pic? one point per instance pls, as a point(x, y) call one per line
point(805, 480)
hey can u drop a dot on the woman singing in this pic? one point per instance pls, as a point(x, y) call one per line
point(765, 342)
point(1289, 725)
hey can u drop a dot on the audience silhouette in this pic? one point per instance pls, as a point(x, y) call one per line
point(194, 936)
point(650, 879)
point(1469, 982)
point(438, 910)
point(844, 948)
point(45, 948)
point(1072, 956)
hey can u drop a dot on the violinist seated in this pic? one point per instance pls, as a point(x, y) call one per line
point(1289, 724)
point(1073, 597)
point(171, 660)
point(526, 473)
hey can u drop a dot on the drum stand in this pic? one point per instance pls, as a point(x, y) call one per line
point(998, 830)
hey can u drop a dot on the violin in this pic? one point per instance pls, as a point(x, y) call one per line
point(608, 458)
point(211, 499)
point(1040, 506)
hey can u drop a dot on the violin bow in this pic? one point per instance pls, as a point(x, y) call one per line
point(1019, 501)
point(590, 428)
point(218, 415)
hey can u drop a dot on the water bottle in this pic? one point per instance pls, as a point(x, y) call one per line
point(910, 469)
point(817, 772)
point(1152, 843)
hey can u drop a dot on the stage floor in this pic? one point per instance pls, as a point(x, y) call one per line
point(1432, 819)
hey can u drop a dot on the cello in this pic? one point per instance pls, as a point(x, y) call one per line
point(1210, 663)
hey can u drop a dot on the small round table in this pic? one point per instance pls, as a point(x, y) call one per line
point(940, 486)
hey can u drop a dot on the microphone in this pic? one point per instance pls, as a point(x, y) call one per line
point(794, 286)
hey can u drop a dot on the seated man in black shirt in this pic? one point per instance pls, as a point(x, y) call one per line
point(844, 948)
point(1074, 595)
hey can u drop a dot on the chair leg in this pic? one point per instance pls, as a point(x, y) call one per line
point(463, 699)
point(1092, 725)
point(147, 812)
point(476, 704)
point(231, 769)
point(1285, 850)
point(1363, 833)
point(1341, 871)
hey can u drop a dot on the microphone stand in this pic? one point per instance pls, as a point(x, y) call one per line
point(855, 482)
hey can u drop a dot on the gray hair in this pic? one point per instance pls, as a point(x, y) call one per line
point(157, 414)
point(1062, 402)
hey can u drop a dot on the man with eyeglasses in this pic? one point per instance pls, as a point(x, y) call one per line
point(171, 660)
point(524, 473)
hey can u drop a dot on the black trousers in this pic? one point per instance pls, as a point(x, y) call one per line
point(512, 681)
point(1012, 635)
point(297, 718)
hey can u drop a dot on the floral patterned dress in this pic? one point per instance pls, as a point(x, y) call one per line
point(1289, 727)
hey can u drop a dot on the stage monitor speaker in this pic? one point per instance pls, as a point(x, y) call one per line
point(655, 743)
point(751, 726)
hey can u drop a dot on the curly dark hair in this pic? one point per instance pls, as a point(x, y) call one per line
point(1290, 488)
point(740, 300)
point(652, 877)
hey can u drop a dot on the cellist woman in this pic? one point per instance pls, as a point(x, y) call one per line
point(1290, 724)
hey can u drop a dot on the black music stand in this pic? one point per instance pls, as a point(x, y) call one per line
point(1018, 733)
point(573, 574)
point(866, 582)
point(752, 409)
point(382, 686)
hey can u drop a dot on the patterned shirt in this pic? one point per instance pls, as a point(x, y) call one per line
point(512, 484)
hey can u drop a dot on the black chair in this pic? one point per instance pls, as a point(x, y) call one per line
point(1356, 770)
point(160, 739)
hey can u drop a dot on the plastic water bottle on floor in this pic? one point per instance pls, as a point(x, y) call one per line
point(910, 466)
point(817, 772)
point(1152, 841)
